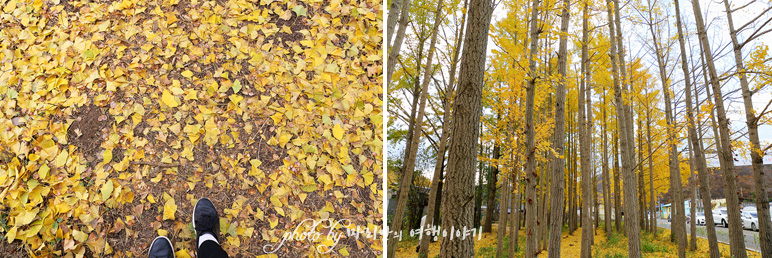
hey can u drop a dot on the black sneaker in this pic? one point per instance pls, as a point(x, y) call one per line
point(161, 248)
point(206, 219)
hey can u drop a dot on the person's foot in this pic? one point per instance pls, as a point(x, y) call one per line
point(206, 221)
point(161, 248)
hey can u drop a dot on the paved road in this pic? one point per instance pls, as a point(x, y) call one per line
point(722, 234)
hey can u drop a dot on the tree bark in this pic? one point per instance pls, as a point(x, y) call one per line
point(492, 190)
point(651, 173)
point(434, 197)
point(584, 137)
point(641, 187)
point(693, 202)
point(606, 180)
point(530, 133)
point(757, 156)
point(691, 130)
point(394, 9)
point(400, 37)
point(736, 239)
point(702, 170)
point(627, 146)
point(456, 207)
point(617, 186)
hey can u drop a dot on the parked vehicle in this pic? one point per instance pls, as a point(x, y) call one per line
point(716, 217)
point(720, 217)
point(700, 218)
point(750, 220)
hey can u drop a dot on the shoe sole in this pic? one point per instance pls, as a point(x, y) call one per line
point(167, 240)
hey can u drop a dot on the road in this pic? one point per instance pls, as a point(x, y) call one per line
point(722, 234)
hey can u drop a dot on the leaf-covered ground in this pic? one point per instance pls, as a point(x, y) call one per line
point(570, 246)
point(116, 116)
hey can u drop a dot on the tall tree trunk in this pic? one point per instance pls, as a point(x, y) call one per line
point(492, 190)
point(652, 205)
point(757, 156)
point(617, 186)
point(736, 239)
point(584, 136)
point(606, 177)
point(394, 9)
point(400, 37)
point(702, 168)
point(434, 197)
point(627, 146)
point(693, 202)
point(687, 82)
point(530, 133)
point(409, 165)
point(641, 188)
point(456, 207)
point(678, 217)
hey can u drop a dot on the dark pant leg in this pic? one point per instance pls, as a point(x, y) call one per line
point(210, 249)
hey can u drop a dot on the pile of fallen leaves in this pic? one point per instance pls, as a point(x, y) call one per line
point(116, 116)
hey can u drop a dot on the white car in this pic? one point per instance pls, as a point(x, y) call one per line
point(720, 217)
point(750, 220)
point(700, 218)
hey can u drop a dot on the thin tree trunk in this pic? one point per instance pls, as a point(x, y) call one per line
point(409, 165)
point(584, 137)
point(492, 189)
point(702, 168)
point(406, 179)
point(400, 37)
point(694, 145)
point(651, 173)
point(530, 133)
point(457, 195)
point(394, 9)
point(678, 217)
point(627, 146)
point(736, 239)
point(693, 202)
point(606, 177)
point(617, 187)
point(757, 156)
point(641, 188)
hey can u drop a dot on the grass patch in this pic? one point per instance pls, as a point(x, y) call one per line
point(654, 247)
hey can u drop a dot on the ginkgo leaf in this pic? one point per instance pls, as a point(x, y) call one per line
point(107, 190)
point(299, 10)
point(170, 208)
point(169, 99)
point(236, 86)
point(337, 131)
point(187, 73)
